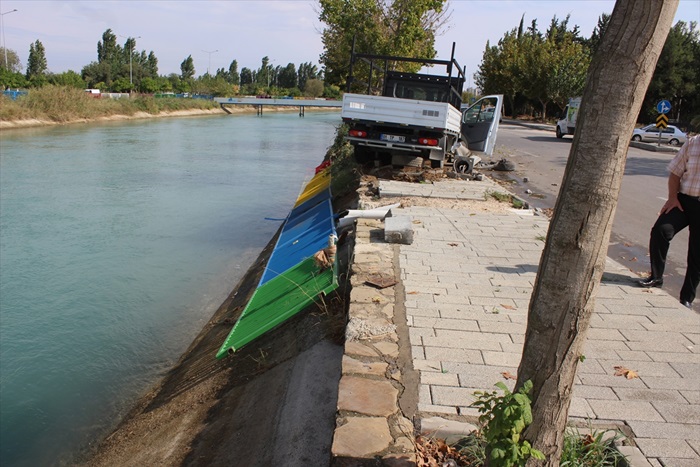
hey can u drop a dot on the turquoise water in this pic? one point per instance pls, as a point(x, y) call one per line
point(117, 244)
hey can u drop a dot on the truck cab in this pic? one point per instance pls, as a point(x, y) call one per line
point(566, 125)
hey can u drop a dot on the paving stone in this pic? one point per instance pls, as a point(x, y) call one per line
point(676, 462)
point(431, 408)
point(366, 396)
point(405, 427)
point(671, 448)
point(359, 349)
point(501, 358)
point(664, 430)
point(643, 369)
point(446, 354)
point(390, 349)
point(625, 410)
point(440, 379)
point(361, 437)
point(693, 397)
point(352, 366)
point(678, 413)
point(439, 427)
point(671, 383)
point(634, 456)
point(581, 408)
point(594, 392)
point(452, 396)
point(688, 370)
point(650, 395)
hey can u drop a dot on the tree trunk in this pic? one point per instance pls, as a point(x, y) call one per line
point(573, 260)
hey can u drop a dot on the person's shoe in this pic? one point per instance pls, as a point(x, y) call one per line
point(686, 304)
point(650, 282)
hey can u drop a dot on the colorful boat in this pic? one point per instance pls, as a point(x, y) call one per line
point(293, 278)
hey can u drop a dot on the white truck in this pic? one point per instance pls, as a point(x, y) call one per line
point(566, 125)
point(408, 119)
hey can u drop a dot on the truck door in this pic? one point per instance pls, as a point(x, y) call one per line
point(480, 123)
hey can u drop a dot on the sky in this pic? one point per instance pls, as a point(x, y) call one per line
point(287, 31)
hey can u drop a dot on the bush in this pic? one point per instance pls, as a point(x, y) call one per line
point(65, 104)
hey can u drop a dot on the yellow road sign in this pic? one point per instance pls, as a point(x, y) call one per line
point(661, 121)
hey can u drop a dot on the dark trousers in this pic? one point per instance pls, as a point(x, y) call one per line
point(665, 228)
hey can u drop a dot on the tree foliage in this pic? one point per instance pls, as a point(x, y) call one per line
point(545, 68)
point(677, 75)
point(536, 70)
point(13, 64)
point(400, 27)
point(36, 63)
point(187, 69)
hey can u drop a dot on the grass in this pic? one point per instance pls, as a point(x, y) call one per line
point(506, 198)
point(62, 104)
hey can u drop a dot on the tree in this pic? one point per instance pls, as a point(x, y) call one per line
point(246, 76)
point(598, 32)
point(36, 63)
point(187, 68)
point(287, 77)
point(573, 260)
point(677, 72)
point(400, 27)
point(67, 78)
point(151, 66)
point(13, 63)
point(314, 88)
point(233, 76)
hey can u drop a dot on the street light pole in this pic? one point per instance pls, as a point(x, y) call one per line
point(4, 42)
point(208, 52)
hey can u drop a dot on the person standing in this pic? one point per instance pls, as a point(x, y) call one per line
point(681, 210)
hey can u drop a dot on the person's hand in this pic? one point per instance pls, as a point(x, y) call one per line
point(670, 204)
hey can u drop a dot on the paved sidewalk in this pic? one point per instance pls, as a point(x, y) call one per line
point(467, 278)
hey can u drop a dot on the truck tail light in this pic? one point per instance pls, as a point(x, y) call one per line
point(358, 133)
point(428, 141)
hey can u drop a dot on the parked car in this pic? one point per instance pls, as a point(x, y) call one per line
point(671, 135)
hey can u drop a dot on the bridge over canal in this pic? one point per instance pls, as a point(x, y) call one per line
point(260, 103)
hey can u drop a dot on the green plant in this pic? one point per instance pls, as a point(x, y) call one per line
point(498, 196)
point(591, 450)
point(503, 420)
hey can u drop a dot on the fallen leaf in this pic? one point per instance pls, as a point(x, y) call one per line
point(413, 292)
point(634, 259)
point(627, 244)
point(626, 372)
point(377, 299)
point(588, 439)
point(508, 307)
point(508, 375)
point(453, 244)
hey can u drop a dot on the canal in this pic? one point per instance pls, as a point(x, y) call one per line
point(117, 243)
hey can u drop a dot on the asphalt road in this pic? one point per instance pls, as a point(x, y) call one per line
point(540, 159)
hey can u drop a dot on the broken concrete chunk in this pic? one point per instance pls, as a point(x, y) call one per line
point(398, 229)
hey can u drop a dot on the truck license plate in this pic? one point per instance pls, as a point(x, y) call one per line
point(392, 138)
